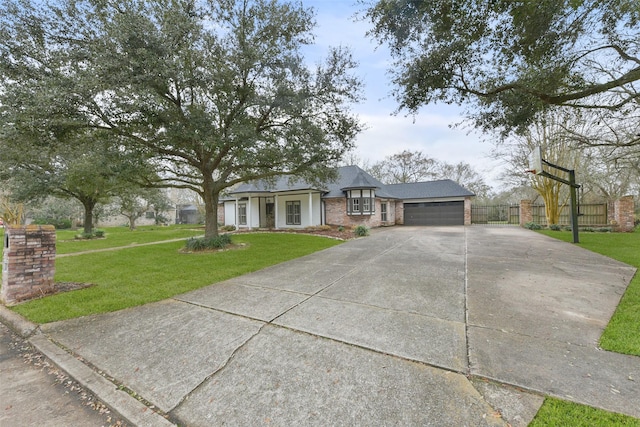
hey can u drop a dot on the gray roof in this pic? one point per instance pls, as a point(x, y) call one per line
point(428, 190)
point(350, 177)
point(281, 183)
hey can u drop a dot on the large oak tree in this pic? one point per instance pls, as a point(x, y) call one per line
point(507, 60)
point(215, 92)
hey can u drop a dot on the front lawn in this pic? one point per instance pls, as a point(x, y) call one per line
point(139, 275)
point(122, 236)
point(622, 334)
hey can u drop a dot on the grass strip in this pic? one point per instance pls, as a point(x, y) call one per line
point(556, 412)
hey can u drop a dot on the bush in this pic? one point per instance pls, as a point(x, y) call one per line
point(96, 234)
point(228, 228)
point(59, 224)
point(532, 226)
point(604, 230)
point(195, 244)
point(555, 227)
point(361, 231)
point(341, 229)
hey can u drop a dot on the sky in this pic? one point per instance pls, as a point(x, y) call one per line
point(430, 131)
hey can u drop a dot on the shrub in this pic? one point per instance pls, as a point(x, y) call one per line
point(588, 229)
point(604, 229)
point(532, 226)
point(59, 224)
point(361, 231)
point(228, 228)
point(341, 229)
point(555, 227)
point(96, 234)
point(202, 244)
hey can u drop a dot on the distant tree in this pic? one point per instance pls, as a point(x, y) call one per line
point(557, 148)
point(217, 92)
point(407, 166)
point(465, 175)
point(605, 178)
point(509, 60)
point(414, 166)
point(135, 202)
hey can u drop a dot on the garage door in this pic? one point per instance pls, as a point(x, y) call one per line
point(436, 213)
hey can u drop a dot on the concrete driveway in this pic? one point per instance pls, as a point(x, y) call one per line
point(448, 326)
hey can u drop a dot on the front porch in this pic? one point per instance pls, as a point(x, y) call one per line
point(274, 210)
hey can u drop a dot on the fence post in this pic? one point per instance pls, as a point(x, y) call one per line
point(526, 212)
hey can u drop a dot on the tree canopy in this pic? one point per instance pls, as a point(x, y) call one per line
point(508, 61)
point(215, 92)
point(87, 166)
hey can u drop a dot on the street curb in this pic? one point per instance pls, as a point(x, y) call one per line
point(133, 411)
point(127, 407)
point(17, 323)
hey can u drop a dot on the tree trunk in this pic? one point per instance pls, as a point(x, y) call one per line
point(210, 197)
point(132, 222)
point(88, 215)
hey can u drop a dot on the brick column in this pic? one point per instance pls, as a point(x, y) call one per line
point(624, 214)
point(526, 212)
point(28, 262)
point(467, 211)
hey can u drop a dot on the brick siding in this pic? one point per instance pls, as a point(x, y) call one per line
point(28, 262)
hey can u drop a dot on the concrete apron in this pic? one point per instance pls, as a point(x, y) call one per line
point(381, 330)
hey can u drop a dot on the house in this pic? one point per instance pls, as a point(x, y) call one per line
point(354, 198)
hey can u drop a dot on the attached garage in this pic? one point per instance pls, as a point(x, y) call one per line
point(434, 213)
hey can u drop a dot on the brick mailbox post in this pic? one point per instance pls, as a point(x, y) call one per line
point(28, 262)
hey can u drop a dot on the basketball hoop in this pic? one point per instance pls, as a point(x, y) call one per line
point(535, 161)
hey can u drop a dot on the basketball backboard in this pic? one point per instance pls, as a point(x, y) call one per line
point(535, 161)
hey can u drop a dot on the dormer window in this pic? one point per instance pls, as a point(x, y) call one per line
point(360, 202)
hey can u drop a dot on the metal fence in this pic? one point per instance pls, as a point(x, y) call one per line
point(593, 214)
point(495, 214)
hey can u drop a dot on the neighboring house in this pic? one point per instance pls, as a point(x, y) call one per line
point(354, 198)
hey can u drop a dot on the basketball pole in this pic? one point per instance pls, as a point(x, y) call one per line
point(572, 192)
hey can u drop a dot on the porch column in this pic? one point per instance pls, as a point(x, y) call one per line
point(249, 212)
point(275, 211)
point(236, 222)
point(310, 209)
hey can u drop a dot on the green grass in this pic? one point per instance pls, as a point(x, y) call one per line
point(555, 412)
point(622, 334)
point(139, 275)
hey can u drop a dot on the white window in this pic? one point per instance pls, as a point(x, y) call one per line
point(294, 213)
point(242, 214)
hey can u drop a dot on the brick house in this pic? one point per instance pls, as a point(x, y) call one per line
point(354, 198)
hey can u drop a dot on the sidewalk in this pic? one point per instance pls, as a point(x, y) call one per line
point(410, 326)
point(34, 392)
